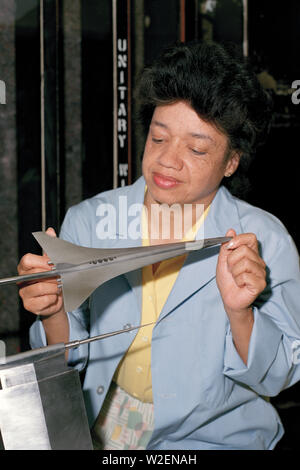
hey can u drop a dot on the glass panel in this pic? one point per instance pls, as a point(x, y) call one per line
point(273, 49)
point(97, 96)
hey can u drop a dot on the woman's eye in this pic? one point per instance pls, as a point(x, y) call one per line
point(198, 152)
point(157, 141)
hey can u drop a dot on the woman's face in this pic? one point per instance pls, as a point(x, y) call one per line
point(185, 158)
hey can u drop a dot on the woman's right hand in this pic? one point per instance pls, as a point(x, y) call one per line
point(45, 296)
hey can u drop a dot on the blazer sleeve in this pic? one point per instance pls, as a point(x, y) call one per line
point(272, 357)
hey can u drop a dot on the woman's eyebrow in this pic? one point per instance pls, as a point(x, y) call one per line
point(160, 124)
point(201, 136)
point(197, 135)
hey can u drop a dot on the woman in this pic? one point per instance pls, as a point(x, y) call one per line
point(225, 318)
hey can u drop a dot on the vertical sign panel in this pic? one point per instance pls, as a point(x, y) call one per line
point(122, 92)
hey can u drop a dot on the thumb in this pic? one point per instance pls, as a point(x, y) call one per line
point(50, 231)
point(230, 233)
point(223, 250)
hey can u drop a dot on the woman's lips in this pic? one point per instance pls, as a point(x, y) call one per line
point(164, 182)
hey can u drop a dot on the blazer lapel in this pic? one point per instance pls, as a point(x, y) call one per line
point(127, 204)
point(135, 198)
point(200, 266)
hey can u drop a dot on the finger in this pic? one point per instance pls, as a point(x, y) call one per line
point(223, 250)
point(43, 305)
point(51, 232)
point(246, 265)
point(39, 289)
point(243, 253)
point(253, 283)
point(231, 233)
point(248, 239)
point(33, 263)
point(54, 280)
point(54, 308)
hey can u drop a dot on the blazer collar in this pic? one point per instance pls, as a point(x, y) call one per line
point(125, 205)
point(200, 266)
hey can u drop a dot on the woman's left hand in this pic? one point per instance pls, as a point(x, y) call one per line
point(241, 272)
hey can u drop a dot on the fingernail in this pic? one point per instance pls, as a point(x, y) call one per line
point(230, 245)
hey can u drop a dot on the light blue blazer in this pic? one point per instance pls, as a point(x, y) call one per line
point(204, 396)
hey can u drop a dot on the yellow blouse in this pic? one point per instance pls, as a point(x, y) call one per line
point(134, 372)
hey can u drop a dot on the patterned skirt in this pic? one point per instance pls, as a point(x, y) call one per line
point(124, 422)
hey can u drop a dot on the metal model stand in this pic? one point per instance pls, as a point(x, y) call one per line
point(41, 402)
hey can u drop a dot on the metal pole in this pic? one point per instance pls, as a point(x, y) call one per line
point(245, 28)
point(42, 74)
point(76, 343)
point(182, 20)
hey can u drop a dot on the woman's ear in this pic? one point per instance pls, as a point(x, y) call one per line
point(232, 163)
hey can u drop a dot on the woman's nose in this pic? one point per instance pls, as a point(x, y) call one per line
point(170, 157)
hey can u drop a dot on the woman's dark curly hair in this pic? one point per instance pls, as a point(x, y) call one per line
point(217, 81)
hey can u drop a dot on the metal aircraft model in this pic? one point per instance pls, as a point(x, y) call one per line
point(41, 401)
point(83, 269)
